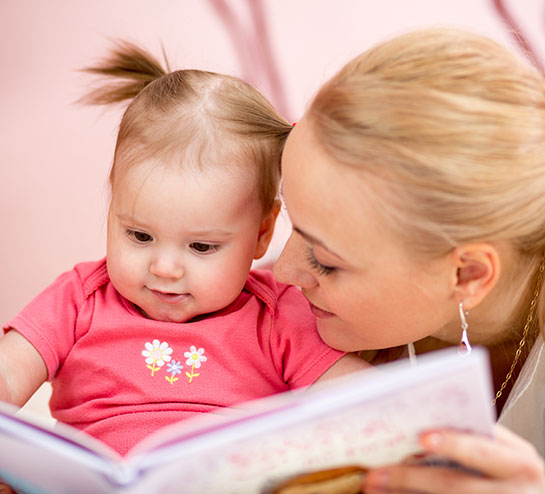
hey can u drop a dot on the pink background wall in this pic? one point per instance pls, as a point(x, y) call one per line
point(56, 154)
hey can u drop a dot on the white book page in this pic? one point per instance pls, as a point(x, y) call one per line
point(369, 419)
point(39, 456)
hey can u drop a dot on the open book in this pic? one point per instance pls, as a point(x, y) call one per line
point(368, 418)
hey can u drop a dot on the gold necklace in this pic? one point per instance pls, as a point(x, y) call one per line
point(525, 331)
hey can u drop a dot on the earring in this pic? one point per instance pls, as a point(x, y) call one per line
point(464, 347)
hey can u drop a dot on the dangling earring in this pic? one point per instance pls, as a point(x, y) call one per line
point(464, 348)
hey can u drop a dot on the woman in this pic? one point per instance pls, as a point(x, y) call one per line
point(415, 183)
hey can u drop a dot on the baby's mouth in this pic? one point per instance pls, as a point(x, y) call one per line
point(169, 297)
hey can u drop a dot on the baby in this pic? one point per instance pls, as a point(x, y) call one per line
point(173, 322)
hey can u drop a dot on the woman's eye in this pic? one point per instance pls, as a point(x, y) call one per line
point(203, 248)
point(317, 266)
point(140, 237)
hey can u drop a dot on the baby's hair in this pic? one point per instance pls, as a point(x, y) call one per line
point(196, 115)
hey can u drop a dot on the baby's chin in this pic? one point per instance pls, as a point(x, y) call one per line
point(167, 316)
point(189, 313)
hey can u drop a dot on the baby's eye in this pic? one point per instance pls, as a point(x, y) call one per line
point(202, 248)
point(140, 237)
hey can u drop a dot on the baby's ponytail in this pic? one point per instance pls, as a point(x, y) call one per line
point(130, 68)
point(198, 115)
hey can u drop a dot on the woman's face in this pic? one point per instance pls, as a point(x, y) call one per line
point(361, 281)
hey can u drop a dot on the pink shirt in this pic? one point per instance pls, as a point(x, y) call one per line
point(120, 376)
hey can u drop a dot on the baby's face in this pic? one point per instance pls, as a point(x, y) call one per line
point(181, 240)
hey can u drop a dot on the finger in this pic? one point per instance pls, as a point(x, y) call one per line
point(500, 457)
point(431, 480)
point(504, 435)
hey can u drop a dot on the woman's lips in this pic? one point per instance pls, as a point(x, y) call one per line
point(170, 298)
point(319, 313)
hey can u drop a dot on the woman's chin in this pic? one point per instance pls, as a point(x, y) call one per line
point(334, 335)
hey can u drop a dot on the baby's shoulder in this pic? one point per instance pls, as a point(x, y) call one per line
point(261, 282)
point(92, 275)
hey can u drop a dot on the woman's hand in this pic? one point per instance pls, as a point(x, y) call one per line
point(509, 465)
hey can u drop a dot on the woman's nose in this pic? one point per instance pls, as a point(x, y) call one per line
point(292, 266)
point(167, 265)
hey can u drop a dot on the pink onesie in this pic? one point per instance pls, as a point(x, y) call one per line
point(120, 376)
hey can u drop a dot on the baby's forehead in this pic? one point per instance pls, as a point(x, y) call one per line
point(160, 197)
point(158, 177)
point(240, 162)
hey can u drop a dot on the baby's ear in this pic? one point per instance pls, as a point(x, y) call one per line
point(266, 230)
point(478, 271)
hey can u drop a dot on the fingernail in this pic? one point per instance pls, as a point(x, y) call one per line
point(432, 440)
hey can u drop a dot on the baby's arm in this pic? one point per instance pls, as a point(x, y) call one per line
point(22, 369)
point(345, 365)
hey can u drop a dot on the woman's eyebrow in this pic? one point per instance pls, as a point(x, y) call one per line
point(313, 240)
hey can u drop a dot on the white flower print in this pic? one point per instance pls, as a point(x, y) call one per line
point(195, 357)
point(156, 354)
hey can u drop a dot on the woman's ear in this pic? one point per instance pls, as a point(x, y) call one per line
point(266, 230)
point(477, 272)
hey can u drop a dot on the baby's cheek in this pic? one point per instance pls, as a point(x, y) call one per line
point(122, 270)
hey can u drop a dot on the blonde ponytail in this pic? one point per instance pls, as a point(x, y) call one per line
point(196, 114)
point(129, 67)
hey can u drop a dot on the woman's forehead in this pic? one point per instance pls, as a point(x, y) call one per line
point(326, 200)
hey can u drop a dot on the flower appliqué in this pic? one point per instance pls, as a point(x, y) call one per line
point(173, 368)
point(158, 353)
point(194, 359)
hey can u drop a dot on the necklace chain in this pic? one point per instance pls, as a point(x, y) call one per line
point(525, 331)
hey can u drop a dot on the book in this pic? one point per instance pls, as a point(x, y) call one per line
point(369, 418)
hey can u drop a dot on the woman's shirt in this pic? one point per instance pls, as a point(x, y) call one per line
point(524, 411)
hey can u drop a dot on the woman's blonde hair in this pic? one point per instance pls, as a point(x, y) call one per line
point(208, 117)
point(455, 125)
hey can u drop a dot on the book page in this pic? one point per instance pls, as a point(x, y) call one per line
point(368, 418)
point(40, 456)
